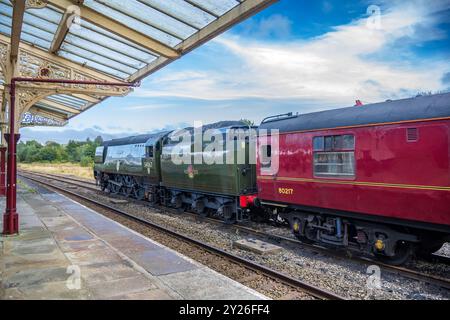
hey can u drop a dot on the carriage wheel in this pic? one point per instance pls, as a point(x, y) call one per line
point(229, 216)
point(403, 252)
point(296, 227)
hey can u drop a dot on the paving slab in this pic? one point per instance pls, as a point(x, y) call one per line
point(67, 251)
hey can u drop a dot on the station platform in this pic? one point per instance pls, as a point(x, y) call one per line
point(67, 251)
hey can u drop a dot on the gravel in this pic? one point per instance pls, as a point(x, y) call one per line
point(445, 250)
point(345, 277)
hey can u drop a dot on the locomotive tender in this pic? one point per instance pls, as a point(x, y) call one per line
point(372, 178)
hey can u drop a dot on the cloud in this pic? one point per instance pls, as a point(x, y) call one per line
point(446, 78)
point(152, 106)
point(350, 62)
point(274, 26)
point(63, 135)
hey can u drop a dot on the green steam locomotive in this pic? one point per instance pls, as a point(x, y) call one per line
point(148, 167)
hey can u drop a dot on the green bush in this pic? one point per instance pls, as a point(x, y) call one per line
point(82, 152)
point(86, 161)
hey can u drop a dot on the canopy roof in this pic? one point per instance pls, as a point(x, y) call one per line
point(109, 40)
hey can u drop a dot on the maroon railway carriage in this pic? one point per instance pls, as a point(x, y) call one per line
point(374, 177)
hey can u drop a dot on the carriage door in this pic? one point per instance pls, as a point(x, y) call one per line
point(267, 172)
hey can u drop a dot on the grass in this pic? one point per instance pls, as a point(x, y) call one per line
point(24, 186)
point(72, 169)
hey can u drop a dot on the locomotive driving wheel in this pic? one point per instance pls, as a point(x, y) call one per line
point(205, 213)
point(113, 188)
point(128, 183)
point(199, 207)
point(138, 192)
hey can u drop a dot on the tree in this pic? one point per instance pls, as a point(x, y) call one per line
point(98, 141)
point(248, 122)
point(74, 151)
point(47, 153)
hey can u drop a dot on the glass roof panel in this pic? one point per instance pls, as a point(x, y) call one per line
point(43, 105)
point(183, 11)
point(5, 18)
point(68, 100)
point(133, 23)
point(6, 30)
point(42, 24)
point(151, 17)
point(92, 36)
point(5, 25)
point(93, 56)
point(37, 32)
point(217, 7)
point(72, 98)
point(48, 13)
point(92, 64)
point(115, 55)
point(111, 35)
point(5, 8)
point(31, 39)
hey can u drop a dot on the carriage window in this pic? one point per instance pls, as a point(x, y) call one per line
point(318, 143)
point(266, 155)
point(334, 156)
point(149, 151)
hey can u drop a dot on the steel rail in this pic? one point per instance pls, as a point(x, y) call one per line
point(273, 274)
point(412, 274)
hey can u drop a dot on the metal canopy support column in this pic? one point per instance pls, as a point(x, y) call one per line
point(11, 218)
point(2, 171)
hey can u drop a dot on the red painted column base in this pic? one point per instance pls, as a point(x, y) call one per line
point(10, 217)
point(2, 171)
point(10, 223)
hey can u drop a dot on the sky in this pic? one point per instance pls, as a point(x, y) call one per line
point(297, 55)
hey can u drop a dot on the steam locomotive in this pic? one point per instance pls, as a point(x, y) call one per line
point(373, 178)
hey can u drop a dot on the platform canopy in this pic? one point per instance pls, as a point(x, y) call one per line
point(99, 40)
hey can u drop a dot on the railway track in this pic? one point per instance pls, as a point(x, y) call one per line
point(402, 271)
point(311, 290)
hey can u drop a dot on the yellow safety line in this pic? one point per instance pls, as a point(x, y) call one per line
point(357, 183)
